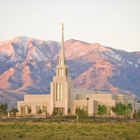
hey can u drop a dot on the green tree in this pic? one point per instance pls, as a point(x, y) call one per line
point(122, 109)
point(139, 113)
point(54, 113)
point(80, 112)
point(3, 108)
point(14, 111)
point(119, 109)
point(128, 109)
point(101, 110)
point(114, 109)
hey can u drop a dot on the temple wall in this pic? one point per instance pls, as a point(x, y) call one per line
point(34, 102)
point(38, 97)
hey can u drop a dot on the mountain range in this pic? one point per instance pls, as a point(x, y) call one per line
point(27, 66)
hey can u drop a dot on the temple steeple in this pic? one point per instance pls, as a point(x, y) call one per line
point(62, 68)
point(62, 60)
point(62, 85)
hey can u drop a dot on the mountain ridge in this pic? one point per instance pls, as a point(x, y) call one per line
point(28, 66)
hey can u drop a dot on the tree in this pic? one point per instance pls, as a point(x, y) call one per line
point(14, 111)
point(39, 111)
point(101, 110)
point(54, 113)
point(29, 110)
point(69, 111)
point(122, 109)
point(80, 112)
point(3, 108)
point(128, 109)
point(139, 113)
point(114, 109)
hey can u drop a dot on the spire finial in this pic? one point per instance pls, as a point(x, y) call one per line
point(62, 26)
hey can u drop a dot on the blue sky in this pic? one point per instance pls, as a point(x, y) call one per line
point(114, 23)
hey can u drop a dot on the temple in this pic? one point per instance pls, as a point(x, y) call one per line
point(64, 98)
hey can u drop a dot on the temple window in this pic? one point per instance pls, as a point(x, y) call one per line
point(22, 110)
point(60, 72)
point(29, 110)
point(66, 71)
point(37, 109)
point(59, 92)
point(44, 108)
point(61, 62)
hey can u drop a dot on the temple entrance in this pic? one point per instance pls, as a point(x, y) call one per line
point(59, 110)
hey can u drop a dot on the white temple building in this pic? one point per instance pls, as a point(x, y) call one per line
point(63, 96)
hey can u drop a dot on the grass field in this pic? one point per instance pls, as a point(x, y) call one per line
point(72, 130)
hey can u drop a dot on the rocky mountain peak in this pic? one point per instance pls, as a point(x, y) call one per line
point(28, 66)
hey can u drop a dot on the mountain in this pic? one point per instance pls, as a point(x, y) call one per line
point(27, 66)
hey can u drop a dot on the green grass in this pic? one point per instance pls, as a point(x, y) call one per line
point(73, 130)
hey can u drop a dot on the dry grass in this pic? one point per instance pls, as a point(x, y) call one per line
point(48, 130)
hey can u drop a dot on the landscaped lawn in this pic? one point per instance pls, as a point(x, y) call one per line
point(72, 130)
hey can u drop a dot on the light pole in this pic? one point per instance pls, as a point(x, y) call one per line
point(87, 105)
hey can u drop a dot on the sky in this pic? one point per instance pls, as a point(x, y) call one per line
point(112, 23)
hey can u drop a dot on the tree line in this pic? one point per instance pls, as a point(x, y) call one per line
point(4, 109)
point(118, 109)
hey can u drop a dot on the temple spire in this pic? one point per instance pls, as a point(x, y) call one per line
point(62, 54)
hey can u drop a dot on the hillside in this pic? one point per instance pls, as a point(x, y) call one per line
point(27, 66)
